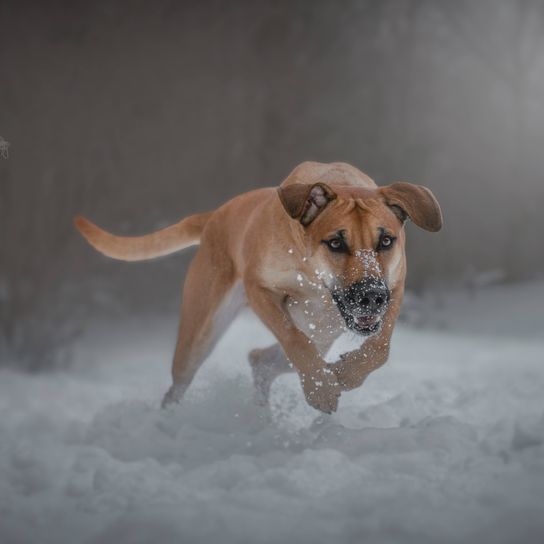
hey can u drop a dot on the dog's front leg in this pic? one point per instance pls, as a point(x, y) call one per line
point(356, 365)
point(320, 384)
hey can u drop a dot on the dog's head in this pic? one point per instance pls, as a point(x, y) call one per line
point(355, 242)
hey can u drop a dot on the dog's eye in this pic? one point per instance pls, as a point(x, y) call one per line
point(385, 242)
point(336, 244)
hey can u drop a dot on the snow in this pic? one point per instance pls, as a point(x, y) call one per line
point(445, 443)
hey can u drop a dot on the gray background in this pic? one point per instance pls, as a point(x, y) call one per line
point(138, 113)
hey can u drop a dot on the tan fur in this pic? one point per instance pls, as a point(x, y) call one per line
point(139, 248)
point(264, 248)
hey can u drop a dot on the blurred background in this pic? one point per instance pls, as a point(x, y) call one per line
point(137, 114)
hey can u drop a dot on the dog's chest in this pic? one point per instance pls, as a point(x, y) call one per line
point(316, 315)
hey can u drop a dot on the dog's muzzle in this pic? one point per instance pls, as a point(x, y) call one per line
point(363, 305)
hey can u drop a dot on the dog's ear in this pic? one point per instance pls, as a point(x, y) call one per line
point(415, 202)
point(305, 202)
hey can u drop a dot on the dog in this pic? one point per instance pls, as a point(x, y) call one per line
point(321, 254)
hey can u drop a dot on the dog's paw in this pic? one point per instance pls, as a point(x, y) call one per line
point(173, 395)
point(322, 390)
point(346, 376)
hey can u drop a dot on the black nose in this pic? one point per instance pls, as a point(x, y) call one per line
point(371, 295)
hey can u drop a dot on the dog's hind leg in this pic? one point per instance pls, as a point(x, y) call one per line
point(266, 365)
point(210, 301)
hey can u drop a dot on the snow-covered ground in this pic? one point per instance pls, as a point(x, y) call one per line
point(443, 444)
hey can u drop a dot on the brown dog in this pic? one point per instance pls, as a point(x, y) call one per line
point(322, 253)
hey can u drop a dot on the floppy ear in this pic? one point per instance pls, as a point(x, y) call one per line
point(305, 202)
point(416, 202)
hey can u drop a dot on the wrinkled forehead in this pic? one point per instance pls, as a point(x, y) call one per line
point(361, 199)
point(358, 207)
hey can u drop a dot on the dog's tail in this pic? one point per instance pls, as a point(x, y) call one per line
point(139, 248)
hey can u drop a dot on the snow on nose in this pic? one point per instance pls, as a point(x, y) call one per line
point(369, 260)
